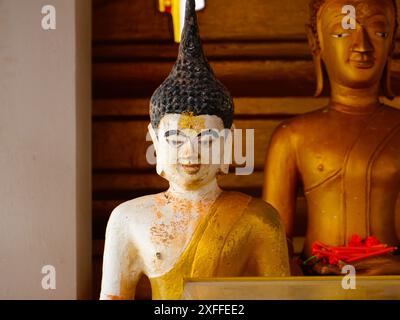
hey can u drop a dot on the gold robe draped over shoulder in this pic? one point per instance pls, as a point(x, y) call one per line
point(240, 236)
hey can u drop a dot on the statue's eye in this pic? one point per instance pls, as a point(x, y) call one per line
point(175, 140)
point(341, 35)
point(207, 137)
point(204, 140)
point(382, 34)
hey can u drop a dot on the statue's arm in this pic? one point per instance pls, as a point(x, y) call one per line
point(269, 253)
point(121, 264)
point(397, 218)
point(280, 176)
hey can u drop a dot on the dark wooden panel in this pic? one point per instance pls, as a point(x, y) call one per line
point(97, 264)
point(242, 78)
point(120, 145)
point(257, 78)
point(244, 107)
point(222, 20)
point(214, 51)
point(129, 20)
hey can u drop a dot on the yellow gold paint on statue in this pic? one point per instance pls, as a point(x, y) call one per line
point(236, 238)
point(189, 121)
point(347, 155)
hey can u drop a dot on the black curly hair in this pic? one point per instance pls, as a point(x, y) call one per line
point(191, 86)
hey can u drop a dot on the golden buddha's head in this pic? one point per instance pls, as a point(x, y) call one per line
point(189, 114)
point(354, 52)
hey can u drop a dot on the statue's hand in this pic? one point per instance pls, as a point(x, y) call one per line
point(323, 269)
point(381, 265)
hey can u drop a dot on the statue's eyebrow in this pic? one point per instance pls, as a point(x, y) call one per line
point(173, 132)
point(212, 132)
point(335, 23)
point(377, 18)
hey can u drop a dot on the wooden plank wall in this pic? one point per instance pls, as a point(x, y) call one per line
point(257, 48)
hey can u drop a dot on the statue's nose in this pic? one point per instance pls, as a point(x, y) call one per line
point(189, 150)
point(362, 42)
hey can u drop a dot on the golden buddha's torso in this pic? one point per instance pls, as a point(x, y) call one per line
point(350, 168)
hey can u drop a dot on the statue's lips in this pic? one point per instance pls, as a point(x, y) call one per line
point(363, 64)
point(191, 168)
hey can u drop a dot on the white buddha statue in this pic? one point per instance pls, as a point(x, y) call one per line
point(194, 229)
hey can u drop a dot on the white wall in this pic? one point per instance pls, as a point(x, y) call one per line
point(45, 97)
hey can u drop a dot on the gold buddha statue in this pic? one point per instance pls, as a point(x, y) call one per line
point(194, 229)
point(346, 155)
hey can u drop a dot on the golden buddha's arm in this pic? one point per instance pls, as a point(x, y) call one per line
point(384, 264)
point(397, 217)
point(280, 176)
point(121, 263)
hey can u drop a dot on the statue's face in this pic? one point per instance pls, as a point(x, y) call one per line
point(356, 58)
point(188, 149)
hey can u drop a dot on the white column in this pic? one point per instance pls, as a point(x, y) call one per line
point(45, 132)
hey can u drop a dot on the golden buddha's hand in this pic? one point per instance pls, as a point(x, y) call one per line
point(324, 269)
point(381, 265)
point(375, 266)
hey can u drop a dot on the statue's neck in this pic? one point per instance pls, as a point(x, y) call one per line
point(355, 100)
point(208, 192)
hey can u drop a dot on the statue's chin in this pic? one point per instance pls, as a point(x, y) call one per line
point(191, 183)
point(361, 78)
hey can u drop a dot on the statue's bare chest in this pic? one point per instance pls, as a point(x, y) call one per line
point(350, 147)
point(162, 234)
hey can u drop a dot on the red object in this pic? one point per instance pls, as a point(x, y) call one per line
point(371, 241)
point(355, 241)
point(357, 249)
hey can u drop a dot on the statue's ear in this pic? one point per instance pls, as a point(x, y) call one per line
point(318, 64)
point(312, 40)
point(153, 136)
point(225, 166)
point(156, 144)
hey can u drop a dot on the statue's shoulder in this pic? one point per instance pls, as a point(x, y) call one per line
point(134, 209)
point(266, 212)
point(257, 211)
point(301, 124)
point(305, 120)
